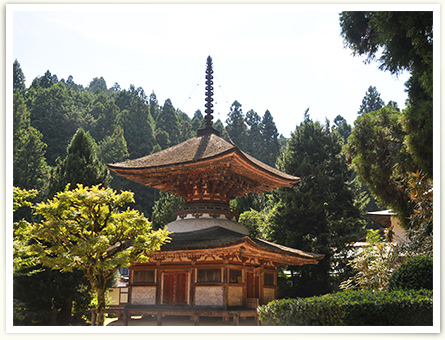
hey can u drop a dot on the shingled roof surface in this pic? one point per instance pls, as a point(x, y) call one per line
point(191, 151)
point(220, 237)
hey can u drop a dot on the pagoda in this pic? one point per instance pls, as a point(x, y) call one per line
point(211, 261)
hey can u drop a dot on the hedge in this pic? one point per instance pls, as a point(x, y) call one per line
point(352, 308)
point(416, 273)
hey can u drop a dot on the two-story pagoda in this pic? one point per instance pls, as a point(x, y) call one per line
point(211, 261)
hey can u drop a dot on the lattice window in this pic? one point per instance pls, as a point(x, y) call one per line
point(269, 279)
point(235, 276)
point(143, 276)
point(209, 275)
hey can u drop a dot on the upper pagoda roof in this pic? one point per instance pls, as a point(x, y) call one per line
point(207, 151)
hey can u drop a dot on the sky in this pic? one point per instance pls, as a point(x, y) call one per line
point(283, 58)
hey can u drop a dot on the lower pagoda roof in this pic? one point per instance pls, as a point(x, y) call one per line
point(218, 240)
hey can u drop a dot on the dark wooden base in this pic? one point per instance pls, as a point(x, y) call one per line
point(193, 313)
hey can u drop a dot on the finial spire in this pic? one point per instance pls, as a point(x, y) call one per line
point(208, 119)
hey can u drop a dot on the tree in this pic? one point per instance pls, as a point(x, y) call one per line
point(80, 166)
point(18, 78)
point(197, 120)
point(84, 229)
point(165, 208)
point(320, 213)
point(236, 125)
point(253, 122)
point(41, 296)
point(342, 127)
point(136, 120)
point(406, 42)
point(97, 84)
point(270, 146)
point(57, 112)
point(30, 169)
point(371, 101)
point(113, 148)
point(380, 157)
point(168, 122)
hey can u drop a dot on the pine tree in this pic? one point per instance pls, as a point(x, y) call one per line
point(81, 166)
point(29, 165)
point(236, 126)
point(319, 213)
point(253, 121)
point(18, 78)
point(371, 101)
point(270, 146)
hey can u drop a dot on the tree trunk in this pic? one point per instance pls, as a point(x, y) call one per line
point(100, 306)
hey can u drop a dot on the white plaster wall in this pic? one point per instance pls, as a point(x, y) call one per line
point(143, 295)
point(209, 296)
point(235, 296)
point(114, 293)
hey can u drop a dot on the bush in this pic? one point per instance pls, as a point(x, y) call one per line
point(416, 273)
point(352, 308)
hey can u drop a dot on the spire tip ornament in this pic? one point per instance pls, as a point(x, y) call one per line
point(208, 119)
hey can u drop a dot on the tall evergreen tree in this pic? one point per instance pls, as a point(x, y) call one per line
point(29, 165)
point(18, 78)
point(371, 101)
point(136, 120)
point(57, 112)
point(80, 166)
point(253, 121)
point(270, 147)
point(154, 106)
point(380, 157)
point(319, 213)
point(97, 84)
point(168, 122)
point(405, 39)
point(236, 125)
point(197, 120)
point(342, 127)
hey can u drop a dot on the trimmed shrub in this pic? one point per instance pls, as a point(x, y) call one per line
point(416, 273)
point(352, 308)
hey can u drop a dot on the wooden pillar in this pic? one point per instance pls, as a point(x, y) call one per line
point(226, 284)
point(159, 318)
point(196, 319)
point(236, 319)
point(158, 279)
point(125, 318)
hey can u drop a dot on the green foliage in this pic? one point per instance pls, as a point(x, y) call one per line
point(373, 265)
point(30, 169)
point(137, 122)
point(352, 308)
point(371, 101)
point(236, 125)
point(379, 155)
point(165, 208)
point(84, 229)
point(320, 213)
point(414, 274)
point(22, 254)
point(113, 148)
point(260, 223)
point(18, 78)
point(80, 166)
point(405, 40)
point(420, 227)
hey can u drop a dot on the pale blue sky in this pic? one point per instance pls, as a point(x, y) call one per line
point(281, 58)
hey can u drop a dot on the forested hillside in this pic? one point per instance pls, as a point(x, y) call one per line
point(122, 123)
